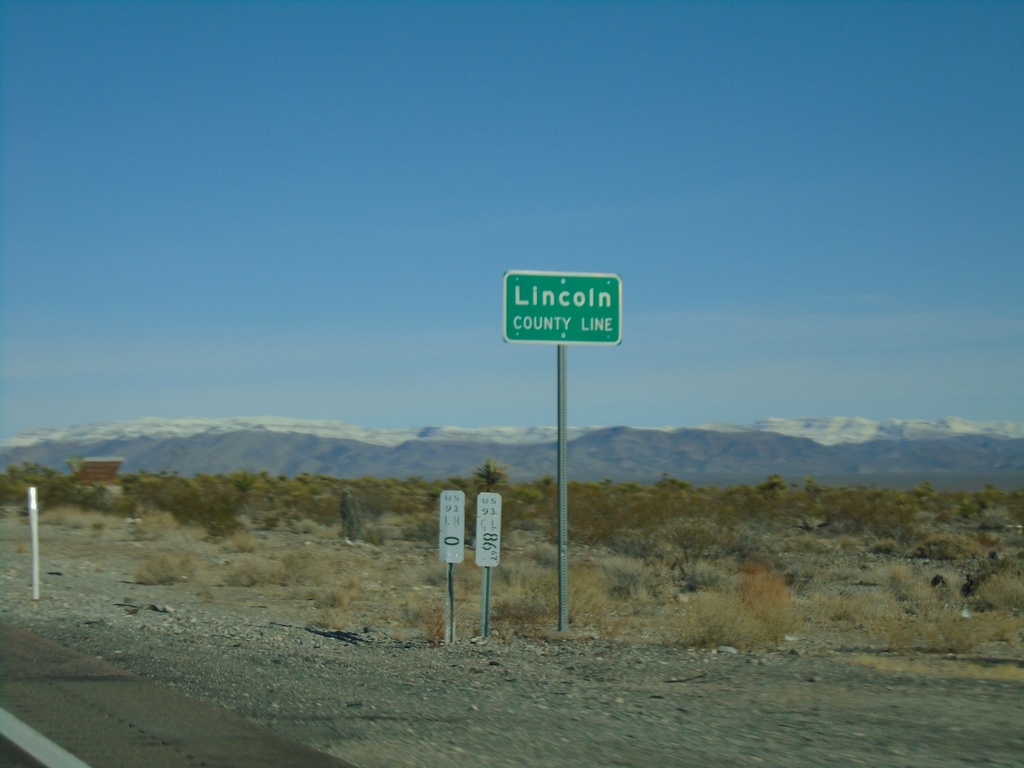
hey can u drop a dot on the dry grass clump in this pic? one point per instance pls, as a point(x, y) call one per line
point(633, 580)
point(429, 618)
point(242, 541)
point(525, 593)
point(949, 546)
point(339, 596)
point(541, 553)
point(76, 519)
point(695, 539)
point(913, 591)
point(758, 613)
point(725, 618)
point(615, 587)
point(1004, 592)
point(307, 569)
point(156, 524)
point(524, 613)
point(419, 527)
point(589, 591)
point(948, 632)
point(256, 571)
point(708, 574)
point(305, 526)
point(332, 604)
point(759, 584)
point(524, 599)
point(934, 617)
point(852, 610)
point(163, 568)
point(290, 568)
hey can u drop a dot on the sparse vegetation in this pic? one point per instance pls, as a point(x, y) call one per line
point(165, 568)
point(745, 566)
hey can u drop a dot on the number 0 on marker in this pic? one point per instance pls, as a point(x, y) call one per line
point(452, 537)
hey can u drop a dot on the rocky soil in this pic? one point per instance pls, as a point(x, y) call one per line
point(377, 698)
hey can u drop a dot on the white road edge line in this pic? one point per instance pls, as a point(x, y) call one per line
point(35, 744)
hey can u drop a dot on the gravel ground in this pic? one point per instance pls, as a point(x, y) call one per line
point(379, 701)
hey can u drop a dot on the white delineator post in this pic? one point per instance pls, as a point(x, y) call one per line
point(33, 523)
point(452, 549)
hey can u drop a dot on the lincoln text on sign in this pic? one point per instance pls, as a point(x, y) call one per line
point(562, 308)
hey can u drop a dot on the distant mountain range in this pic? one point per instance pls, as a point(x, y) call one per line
point(948, 451)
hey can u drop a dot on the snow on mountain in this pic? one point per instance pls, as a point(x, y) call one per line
point(823, 430)
point(339, 430)
point(836, 430)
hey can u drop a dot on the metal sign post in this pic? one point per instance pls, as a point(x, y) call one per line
point(563, 501)
point(488, 550)
point(562, 308)
point(451, 547)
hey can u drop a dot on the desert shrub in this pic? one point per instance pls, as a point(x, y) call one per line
point(852, 610)
point(913, 591)
point(526, 601)
point(543, 553)
point(53, 488)
point(338, 596)
point(761, 585)
point(522, 612)
point(589, 595)
point(632, 580)
point(685, 541)
point(330, 618)
point(431, 619)
point(947, 632)
point(256, 571)
point(73, 517)
point(726, 618)
point(707, 574)
point(301, 568)
point(305, 526)
point(758, 613)
point(949, 546)
point(596, 516)
point(155, 524)
point(331, 603)
point(419, 527)
point(208, 501)
point(243, 541)
point(1003, 591)
point(886, 514)
point(163, 568)
point(375, 534)
point(886, 547)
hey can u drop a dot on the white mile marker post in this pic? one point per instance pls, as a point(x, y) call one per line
point(488, 550)
point(33, 522)
point(452, 549)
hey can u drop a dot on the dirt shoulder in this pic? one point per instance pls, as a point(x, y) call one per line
point(375, 698)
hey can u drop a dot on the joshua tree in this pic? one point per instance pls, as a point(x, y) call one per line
point(491, 474)
point(351, 515)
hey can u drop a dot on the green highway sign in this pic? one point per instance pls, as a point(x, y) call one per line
point(562, 308)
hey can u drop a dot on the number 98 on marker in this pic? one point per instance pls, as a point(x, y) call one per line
point(488, 529)
point(453, 526)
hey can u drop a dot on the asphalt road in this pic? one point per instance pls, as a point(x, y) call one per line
point(110, 718)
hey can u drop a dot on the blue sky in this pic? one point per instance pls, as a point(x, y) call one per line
point(306, 209)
